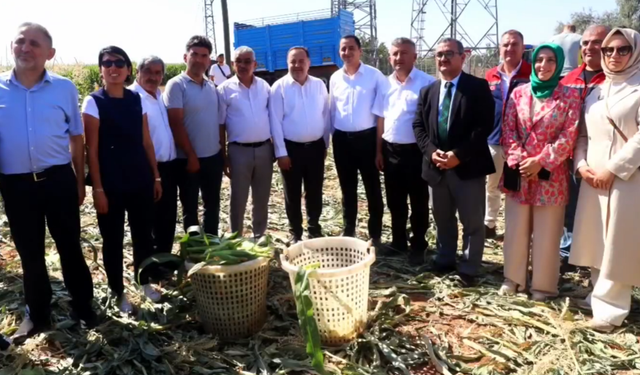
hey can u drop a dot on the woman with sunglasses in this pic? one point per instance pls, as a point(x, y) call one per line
point(607, 156)
point(538, 135)
point(122, 169)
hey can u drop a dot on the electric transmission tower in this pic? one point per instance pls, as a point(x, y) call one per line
point(365, 17)
point(483, 45)
point(209, 25)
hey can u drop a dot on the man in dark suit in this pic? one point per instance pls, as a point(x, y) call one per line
point(454, 118)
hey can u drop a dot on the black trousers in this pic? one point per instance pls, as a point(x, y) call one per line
point(403, 179)
point(139, 206)
point(208, 181)
point(307, 165)
point(28, 205)
point(166, 209)
point(353, 152)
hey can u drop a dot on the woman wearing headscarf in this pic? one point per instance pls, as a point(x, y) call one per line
point(607, 156)
point(538, 135)
point(122, 169)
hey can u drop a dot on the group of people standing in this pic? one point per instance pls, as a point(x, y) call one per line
point(146, 148)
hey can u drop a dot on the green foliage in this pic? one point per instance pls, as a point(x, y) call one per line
point(308, 325)
point(627, 13)
point(173, 70)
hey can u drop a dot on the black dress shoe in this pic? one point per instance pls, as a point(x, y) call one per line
point(468, 281)
point(29, 329)
point(443, 269)
point(348, 233)
point(416, 258)
point(5, 343)
point(88, 320)
point(490, 233)
point(315, 234)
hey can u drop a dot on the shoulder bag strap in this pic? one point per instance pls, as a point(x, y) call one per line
point(610, 120)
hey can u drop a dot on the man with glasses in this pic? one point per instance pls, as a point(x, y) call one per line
point(455, 116)
point(585, 78)
point(357, 93)
point(42, 177)
point(244, 103)
point(194, 116)
point(503, 79)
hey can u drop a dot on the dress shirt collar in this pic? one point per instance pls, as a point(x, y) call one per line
point(453, 81)
point(411, 76)
point(359, 71)
point(502, 73)
point(206, 80)
point(236, 80)
point(139, 89)
point(11, 78)
point(291, 82)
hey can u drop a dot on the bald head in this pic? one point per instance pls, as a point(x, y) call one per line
point(591, 43)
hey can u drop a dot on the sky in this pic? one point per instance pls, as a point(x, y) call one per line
point(80, 28)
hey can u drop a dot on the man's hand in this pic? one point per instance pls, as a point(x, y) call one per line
point(157, 191)
point(588, 175)
point(193, 164)
point(452, 160)
point(604, 179)
point(284, 163)
point(530, 167)
point(100, 202)
point(82, 193)
point(439, 159)
point(379, 161)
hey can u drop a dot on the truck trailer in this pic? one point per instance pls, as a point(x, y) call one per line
point(271, 38)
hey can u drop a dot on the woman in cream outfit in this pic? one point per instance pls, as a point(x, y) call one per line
point(606, 235)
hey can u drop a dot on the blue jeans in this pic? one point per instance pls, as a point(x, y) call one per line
point(570, 211)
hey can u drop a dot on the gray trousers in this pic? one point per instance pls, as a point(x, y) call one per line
point(467, 197)
point(250, 168)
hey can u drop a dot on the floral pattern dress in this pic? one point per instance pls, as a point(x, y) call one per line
point(550, 132)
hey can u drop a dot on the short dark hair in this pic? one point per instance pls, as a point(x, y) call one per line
point(199, 41)
point(40, 28)
point(570, 27)
point(301, 48)
point(397, 42)
point(513, 32)
point(355, 39)
point(113, 50)
point(456, 41)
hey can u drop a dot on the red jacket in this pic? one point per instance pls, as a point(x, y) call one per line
point(493, 77)
point(575, 79)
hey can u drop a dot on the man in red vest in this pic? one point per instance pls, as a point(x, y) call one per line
point(584, 78)
point(503, 79)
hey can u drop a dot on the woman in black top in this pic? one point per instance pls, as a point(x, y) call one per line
point(122, 169)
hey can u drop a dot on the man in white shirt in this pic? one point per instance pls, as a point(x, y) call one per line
point(244, 101)
point(398, 153)
point(148, 80)
point(300, 126)
point(357, 92)
point(220, 71)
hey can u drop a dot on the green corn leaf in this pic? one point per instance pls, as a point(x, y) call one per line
point(308, 325)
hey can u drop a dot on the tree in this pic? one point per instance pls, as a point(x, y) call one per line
point(626, 14)
point(368, 56)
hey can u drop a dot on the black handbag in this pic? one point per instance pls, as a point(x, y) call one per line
point(512, 178)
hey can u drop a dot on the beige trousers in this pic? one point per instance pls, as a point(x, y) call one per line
point(610, 301)
point(545, 224)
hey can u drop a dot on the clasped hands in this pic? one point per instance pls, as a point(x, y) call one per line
point(530, 167)
point(445, 160)
point(602, 179)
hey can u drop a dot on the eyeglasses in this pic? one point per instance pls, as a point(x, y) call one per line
point(120, 63)
point(447, 54)
point(244, 62)
point(622, 51)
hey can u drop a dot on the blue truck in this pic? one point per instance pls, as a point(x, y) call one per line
point(271, 38)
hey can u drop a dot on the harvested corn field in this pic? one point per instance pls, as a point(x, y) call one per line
point(419, 323)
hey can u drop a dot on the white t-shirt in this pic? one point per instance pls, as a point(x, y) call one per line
point(216, 72)
point(90, 107)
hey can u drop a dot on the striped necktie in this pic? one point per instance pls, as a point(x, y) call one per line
point(443, 118)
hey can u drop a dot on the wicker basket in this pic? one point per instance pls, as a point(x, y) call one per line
point(232, 300)
point(339, 288)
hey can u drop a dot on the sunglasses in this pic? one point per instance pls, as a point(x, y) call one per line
point(120, 63)
point(622, 51)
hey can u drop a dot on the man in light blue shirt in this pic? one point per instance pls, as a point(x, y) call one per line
point(39, 124)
